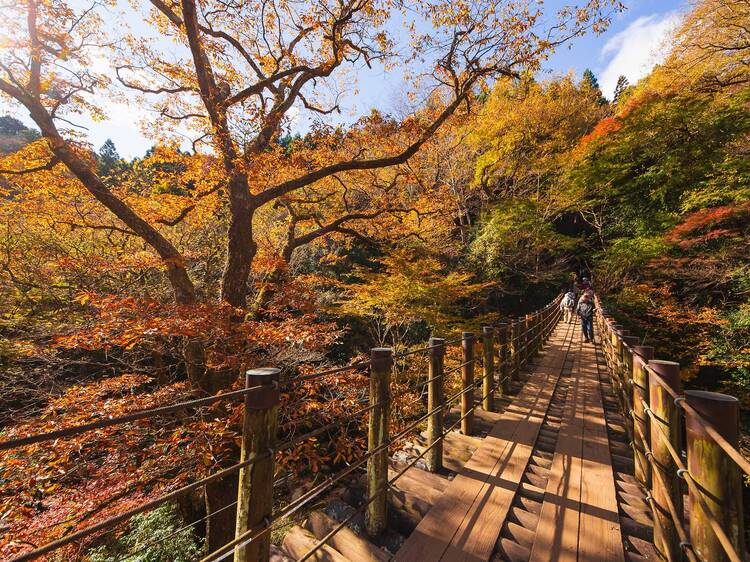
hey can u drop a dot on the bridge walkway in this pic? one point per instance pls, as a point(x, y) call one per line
point(550, 481)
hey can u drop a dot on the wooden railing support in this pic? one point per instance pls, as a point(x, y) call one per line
point(376, 517)
point(467, 379)
point(488, 368)
point(661, 403)
point(527, 339)
point(627, 382)
point(641, 429)
point(504, 335)
point(515, 344)
point(255, 485)
point(716, 475)
point(538, 331)
point(435, 401)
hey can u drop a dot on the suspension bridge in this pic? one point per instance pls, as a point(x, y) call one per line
point(530, 444)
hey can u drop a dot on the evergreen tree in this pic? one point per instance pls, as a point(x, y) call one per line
point(620, 89)
point(590, 78)
point(109, 159)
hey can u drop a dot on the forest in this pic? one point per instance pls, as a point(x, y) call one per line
point(128, 284)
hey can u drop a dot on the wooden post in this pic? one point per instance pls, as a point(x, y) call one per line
point(527, 339)
point(435, 399)
point(504, 335)
point(488, 368)
point(661, 403)
point(717, 476)
point(255, 486)
point(515, 343)
point(381, 362)
point(467, 379)
point(641, 355)
point(539, 321)
point(627, 382)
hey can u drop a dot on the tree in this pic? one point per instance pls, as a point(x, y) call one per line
point(405, 291)
point(242, 117)
point(232, 79)
point(712, 46)
point(109, 159)
point(620, 89)
point(589, 78)
point(525, 129)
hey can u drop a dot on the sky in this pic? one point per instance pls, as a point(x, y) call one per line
point(632, 45)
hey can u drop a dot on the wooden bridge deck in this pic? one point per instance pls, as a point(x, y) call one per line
point(547, 482)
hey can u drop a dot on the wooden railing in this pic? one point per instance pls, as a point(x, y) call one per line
point(685, 444)
point(505, 349)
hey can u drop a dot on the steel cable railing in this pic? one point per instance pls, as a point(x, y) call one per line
point(663, 417)
point(517, 346)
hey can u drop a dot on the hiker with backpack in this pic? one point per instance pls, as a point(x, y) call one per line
point(567, 304)
point(585, 311)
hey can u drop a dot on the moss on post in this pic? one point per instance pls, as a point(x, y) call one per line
point(255, 488)
point(435, 399)
point(376, 517)
point(661, 403)
point(488, 368)
point(717, 476)
point(467, 379)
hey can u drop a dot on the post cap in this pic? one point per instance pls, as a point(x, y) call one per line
point(263, 375)
point(488, 330)
point(720, 410)
point(669, 371)
point(381, 358)
point(644, 352)
point(631, 340)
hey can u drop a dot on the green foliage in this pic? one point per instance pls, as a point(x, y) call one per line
point(591, 83)
point(407, 291)
point(109, 159)
point(625, 257)
point(515, 238)
point(668, 152)
point(152, 537)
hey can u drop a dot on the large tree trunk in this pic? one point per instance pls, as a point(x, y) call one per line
point(241, 247)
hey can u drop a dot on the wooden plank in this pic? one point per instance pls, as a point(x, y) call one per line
point(431, 538)
point(599, 536)
point(475, 539)
point(557, 531)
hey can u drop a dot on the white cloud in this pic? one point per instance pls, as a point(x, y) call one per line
point(637, 49)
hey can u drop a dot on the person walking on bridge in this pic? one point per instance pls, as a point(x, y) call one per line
point(567, 304)
point(585, 311)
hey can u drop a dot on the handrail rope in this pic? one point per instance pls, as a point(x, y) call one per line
point(733, 453)
point(389, 484)
point(114, 520)
point(334, 371)
point(252, 534)
point(676, 519)
point(727, 447)
point(492, 390)
point(216, 476)
point(696, 492)
point(313, 415)
point(331, 425)
point(428, 348)
point(127, 418)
